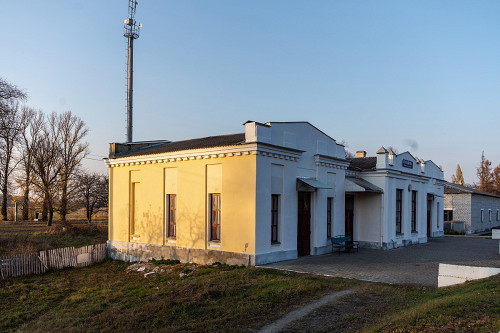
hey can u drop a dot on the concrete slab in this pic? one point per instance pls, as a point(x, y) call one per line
point(416, 265)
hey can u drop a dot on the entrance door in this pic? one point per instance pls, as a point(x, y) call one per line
point(304, 224)
point(429, 214)
point(349, 216)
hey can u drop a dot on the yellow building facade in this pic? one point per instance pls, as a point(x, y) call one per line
point(149, 192)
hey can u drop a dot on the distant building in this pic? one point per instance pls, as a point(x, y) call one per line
point(470, 210)
point(278, 191)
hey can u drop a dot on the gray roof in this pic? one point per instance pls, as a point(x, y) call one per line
point(369, 187)
point(363, 163)
point(206, 142)
point(451, 188)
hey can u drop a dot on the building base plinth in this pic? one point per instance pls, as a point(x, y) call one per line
point(128, 251)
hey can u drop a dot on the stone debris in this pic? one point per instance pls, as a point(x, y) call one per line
point(148, 268)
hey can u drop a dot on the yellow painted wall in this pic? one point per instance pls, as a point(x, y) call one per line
point(237, 203)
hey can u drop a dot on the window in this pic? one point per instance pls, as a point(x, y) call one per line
point(329, 202)
point(489, 215)
point(482, 215)
point(171, 205)
point(215, 216)
point(399, 208)
point(498, 214)
point(275, 200)
point(448, 215)
point(413, 210)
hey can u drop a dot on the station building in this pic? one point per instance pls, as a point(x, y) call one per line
point(277, 191)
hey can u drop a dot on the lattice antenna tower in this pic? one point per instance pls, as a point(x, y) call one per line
point(131, 32)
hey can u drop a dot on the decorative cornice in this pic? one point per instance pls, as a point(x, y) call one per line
point(181, 156)
point(330, 162)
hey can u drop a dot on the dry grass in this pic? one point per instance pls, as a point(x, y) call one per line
point(189, 298)
point(31, 236)
point(107, 298)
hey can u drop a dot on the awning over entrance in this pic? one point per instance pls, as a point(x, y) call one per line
point(309, 184)
point(353, 184)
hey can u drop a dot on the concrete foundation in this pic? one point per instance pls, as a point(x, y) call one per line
point(128, 251)
point(456, 274)
point(266, 258)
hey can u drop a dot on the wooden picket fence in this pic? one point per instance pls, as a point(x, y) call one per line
point(40, 262)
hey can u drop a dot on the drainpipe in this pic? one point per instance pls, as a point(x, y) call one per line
point(382, 220)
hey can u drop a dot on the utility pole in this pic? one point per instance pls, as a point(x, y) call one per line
point(131, 32)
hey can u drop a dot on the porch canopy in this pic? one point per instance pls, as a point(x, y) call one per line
point(353, 184)
point(309, 184)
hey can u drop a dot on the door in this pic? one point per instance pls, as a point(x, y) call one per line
point(429, 214)
point(304, 224)
point(349, 216)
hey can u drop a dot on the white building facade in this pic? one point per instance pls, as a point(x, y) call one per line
point(399, 203)
point(307, 191)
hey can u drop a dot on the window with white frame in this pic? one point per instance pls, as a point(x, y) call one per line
point(171, 215)
point(489, 215)
point(215, 216)
point(498, 214)
point(482, 215)
point(275, 205)
point(414, 211)
point(399, 209)
point(329, 204)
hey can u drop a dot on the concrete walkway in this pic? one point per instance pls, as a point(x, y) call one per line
point(417, 264)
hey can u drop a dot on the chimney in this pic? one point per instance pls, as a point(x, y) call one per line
point(361, 153)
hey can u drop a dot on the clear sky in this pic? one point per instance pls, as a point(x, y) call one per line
point(422, 76)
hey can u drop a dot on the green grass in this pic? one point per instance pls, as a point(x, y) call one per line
point(472, 307)
point(221, 298)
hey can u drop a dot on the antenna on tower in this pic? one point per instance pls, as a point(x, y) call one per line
point(131, 32)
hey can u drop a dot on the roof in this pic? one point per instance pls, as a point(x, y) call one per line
point(206, 142)
point(363, 163)
point(353, 184)
point(450, 188)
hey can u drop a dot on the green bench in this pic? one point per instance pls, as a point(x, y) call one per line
point(344, 242)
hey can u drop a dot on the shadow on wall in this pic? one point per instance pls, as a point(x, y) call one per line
point(191, 230)
point(150, 226)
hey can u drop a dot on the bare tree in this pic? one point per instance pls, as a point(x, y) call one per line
point(94, 193)
point(9, 91)
point(47, 162)
point(10, 130)
point(32, 122)
point(72, 131)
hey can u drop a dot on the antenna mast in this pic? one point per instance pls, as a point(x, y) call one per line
point(131, 32)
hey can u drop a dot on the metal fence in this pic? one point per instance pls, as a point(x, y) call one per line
point(40, 262)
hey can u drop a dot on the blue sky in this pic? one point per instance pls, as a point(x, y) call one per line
point(421, 76)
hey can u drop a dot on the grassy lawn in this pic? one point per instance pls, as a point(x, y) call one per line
point(31, 236)
point(189, 298)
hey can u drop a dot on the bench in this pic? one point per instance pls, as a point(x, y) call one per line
point(344, 242)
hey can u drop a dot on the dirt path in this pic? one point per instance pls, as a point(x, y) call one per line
point(303, 311)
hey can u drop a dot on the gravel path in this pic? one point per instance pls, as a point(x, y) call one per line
point(303, 311)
